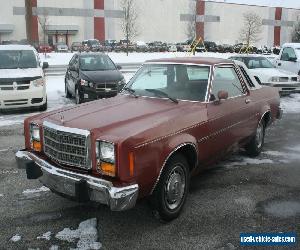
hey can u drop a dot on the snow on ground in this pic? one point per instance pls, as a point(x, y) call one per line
point(16, 238)
point(64, 58)
point(45, 236)
point(36, 190)
point(1, 195)
point(238, 160)
point(86, 234)
point(291, 104)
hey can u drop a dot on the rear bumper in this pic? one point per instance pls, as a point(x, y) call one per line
point(81, 187)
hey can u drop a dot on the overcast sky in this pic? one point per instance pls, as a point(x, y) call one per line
point(276, 3)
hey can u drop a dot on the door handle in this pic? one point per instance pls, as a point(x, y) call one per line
point(247, 101)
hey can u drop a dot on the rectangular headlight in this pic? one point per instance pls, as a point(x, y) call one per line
point(105, 153)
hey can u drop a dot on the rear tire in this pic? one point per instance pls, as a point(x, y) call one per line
point(171, 191)
point(255, 146)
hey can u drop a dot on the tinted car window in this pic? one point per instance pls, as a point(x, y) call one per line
point(182, 82)
point(96, 62)
point(226, 79)
point(13, 59)
point(255, 62)
point(288, 53)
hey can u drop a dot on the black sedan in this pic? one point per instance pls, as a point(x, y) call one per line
point(91, 76)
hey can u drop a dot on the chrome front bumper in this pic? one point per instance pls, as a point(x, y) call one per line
point(79, 186)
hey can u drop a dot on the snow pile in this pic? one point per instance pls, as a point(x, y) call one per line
point(291, 104)
point(45, 236)
point(1, 195)
point(16, 238)
point(86, 233)
point(36, 190)
point(64, 58)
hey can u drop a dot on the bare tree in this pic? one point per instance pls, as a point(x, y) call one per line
point(43, 20)
point(191, 24)
point(251, 29)
point(296, 33)
point(129, 23)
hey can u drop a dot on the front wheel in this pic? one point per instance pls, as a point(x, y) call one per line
point(67, 93)
point(78, 96)
point(171, 191)
point(255, 146)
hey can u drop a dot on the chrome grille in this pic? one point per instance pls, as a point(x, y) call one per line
point(18, 85)
point(66, 147)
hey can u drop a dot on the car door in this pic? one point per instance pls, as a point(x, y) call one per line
point(229, 120)
point(74, 74)
point(288, 60)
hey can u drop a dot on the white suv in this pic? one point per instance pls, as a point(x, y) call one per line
point(22, 82)
point(289, 58)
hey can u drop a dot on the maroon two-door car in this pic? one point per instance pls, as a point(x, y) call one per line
point(174, 118)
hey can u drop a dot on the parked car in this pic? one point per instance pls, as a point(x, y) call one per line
point(45, 48)
point(91, 76)
point(93, 45)
point(289, 58)
point(76, 46)
point(172, 48)
point(198, 45)
point(183, 47)
point(141, 46)
point(225, 48)
point(61, 47)
point(170, 122)
point(157, 46)
point(266, 73)
point(210, 46)
point(22, 82)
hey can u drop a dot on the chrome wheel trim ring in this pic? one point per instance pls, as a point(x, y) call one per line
point(175, 187)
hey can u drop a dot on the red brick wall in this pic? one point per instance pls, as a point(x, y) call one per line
point(99, 22)
point(200, 10)
point(277, 29)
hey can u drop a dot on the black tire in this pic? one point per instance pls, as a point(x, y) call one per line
point(44, 106)
point(67, 93)
point(78, 98)
point(255, 146)
point(176, 171)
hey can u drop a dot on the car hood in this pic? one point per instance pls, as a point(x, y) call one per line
point(21, 73)
point(101, 76)
point(124, 116)
point(265, 74)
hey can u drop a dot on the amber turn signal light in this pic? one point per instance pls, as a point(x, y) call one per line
point(107, 168)
point(36, 146)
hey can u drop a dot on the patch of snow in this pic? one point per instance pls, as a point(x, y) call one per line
point(1, 195)
point(294, 148)
point(291, 104)
point(86, 234)
point(274, 153)
point(54, 247)
point(36, 190)
point(247, 161)
point(16, 238)
point(45, 236)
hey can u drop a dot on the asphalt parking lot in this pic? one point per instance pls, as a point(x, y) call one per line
point(239, 195)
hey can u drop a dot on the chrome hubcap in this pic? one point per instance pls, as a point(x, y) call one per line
point(174, 188)
point(259, 135)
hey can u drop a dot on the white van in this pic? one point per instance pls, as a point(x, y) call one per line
point(22, 82)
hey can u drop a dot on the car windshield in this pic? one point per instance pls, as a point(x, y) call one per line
point(255, 62)
point(178, 81)
point(13, 59)
point(96, 63)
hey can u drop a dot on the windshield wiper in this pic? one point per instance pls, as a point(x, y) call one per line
point(131, 91)
point(162, 94)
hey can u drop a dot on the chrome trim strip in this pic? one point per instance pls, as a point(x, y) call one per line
point(223, 130)
point(66, 129)
point(170, 154)
point(169, 135)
